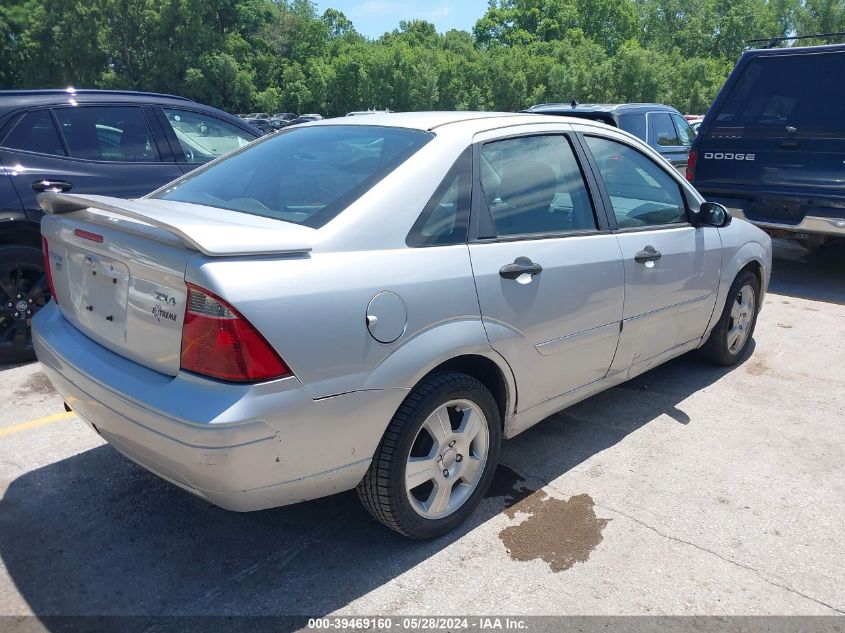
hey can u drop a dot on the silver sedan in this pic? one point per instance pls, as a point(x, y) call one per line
point(377, 302)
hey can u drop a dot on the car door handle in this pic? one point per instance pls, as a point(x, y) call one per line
point(648, 254)
point(521, 266)
point(56, 186)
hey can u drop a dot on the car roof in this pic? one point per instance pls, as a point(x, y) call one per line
point(603, 108)
point(17, 99)
point(794, 50)
point(37, 97)
point(455, 123)
point(428, 121)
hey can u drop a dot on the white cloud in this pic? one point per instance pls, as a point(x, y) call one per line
point(374, 7)
point(404, 10)
point(442, 12)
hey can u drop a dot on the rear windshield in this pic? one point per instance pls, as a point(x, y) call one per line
point(305, 175)
point(591, 116)
point(805, 92)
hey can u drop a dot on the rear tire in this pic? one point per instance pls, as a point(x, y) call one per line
point(436, 459)
point(23, 291)
point(730, 339)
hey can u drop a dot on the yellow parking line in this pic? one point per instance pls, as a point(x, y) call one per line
point(34, 424)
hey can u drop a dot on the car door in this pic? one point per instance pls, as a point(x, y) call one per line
point(671, 267)
point(102, 149)
point(548, 273)
point(665, 138)
point(197, 137)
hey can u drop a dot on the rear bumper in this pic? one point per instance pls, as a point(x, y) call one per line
point(814, 216)
point(242, 447)
point(811, 225)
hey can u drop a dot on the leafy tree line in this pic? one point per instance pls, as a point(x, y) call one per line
point(281, 55)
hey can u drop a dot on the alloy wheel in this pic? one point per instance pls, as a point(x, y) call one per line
point(447, 459)
point(742, 316)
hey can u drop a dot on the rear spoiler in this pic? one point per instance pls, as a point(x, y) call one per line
point(209, 230)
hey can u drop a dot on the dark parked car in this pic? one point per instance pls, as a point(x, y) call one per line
point(306, 118)
point(659, 125)
point(281, 120)
point(772, 146)
point(113, 143)
point(265, 125)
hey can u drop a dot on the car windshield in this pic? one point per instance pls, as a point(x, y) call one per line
point(306, 176)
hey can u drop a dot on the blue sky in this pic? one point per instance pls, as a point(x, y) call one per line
point(374, 17)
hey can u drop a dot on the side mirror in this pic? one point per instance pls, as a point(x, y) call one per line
point(714, 214)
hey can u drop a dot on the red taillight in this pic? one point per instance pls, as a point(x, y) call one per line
point(691, 165)
point(218, 342)
point(47, 269)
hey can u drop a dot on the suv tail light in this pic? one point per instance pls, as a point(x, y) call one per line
point(218, 342)
point(45, 248)
point(691, 165)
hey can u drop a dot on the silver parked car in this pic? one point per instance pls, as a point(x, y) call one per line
point(376, 302)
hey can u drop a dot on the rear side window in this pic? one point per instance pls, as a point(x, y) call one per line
point(446, 216)
point(772, 93)
point(35, 132)
point(634, 124)
point(304, 175)
point(118, 133)
point(203, 138)
point(641, 192)
point(533, 186)
point(663, 132)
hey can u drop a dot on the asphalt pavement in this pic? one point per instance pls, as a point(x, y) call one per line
point(688, 490)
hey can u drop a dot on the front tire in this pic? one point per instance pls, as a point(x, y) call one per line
point(436, 459)
point(732, 335)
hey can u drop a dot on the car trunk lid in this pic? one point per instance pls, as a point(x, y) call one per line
point(118, 266)
point(731, 157)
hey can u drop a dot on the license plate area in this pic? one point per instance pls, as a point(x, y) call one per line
point(99, 289)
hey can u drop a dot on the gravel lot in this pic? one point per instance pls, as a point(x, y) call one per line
point(689, 490)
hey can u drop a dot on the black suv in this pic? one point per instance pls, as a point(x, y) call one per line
point(772, 146)
point(660, 126)
point(113, 143)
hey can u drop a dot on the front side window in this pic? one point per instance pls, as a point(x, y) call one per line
point(533, 186)
point(203, 138)
point(112, 133)
point(35, 132)
point(446, 216)
point(304, 175)
point(663, 133)
point(641, 192)
point(685, 132)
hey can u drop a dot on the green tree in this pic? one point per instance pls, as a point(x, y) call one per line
point(820, 16)
point(281, 54)
point(513, 22)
